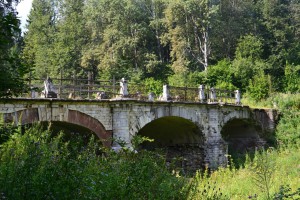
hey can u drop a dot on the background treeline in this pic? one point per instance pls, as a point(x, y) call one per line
point(250, 45)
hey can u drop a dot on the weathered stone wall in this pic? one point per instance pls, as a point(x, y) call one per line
point(267, 118)
point(188, 158)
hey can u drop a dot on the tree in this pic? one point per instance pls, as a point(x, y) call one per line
point(248, 61)
point(292, 78)
point(234, 19)
point(39, 40)
point(70, 37)
point(278, 37)
point(259, 86)
point(121, 41)
point(188, 33)
point(11, 68)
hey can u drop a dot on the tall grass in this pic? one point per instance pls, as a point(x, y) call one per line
point(261, 178)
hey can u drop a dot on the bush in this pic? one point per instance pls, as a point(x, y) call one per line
point(288, 128)
point(192, 79)
point(292, 78)
point(36, 165)
point(259, 87)
point(154, 86)
point(220, 73)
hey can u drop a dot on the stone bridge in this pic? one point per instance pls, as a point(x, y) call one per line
point(200, 132)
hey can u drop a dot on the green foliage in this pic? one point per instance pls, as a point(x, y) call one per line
point(278, 167)
point(286, 193)
point(225, 86)
point(187, 25)
point(138, 140)
point(249, 46)
point(259, 87)
point(288, 129)
point(39, 40)
point(11, 68)
point(167, 40)
point(292, 78)
point(37, 165)
point(248, 64)
point(154, 86)
point(220, 74)
point(263, 168)
point(193, 79)
point(204, 188)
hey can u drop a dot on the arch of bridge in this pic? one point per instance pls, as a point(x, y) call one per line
point(32, 115)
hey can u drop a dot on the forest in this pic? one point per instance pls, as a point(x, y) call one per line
point(250, 45)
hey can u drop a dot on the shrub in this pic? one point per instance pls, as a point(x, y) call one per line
point(259, 87)
point(37, 165)
point(154, 86)
point(288, 128)
point(292, 78)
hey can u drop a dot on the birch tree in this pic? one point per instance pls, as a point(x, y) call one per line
point(188, 23)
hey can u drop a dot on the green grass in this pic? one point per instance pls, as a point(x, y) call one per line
point(241, 183)
point(278, 101)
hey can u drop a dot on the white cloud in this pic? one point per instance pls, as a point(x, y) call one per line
point(23, 9)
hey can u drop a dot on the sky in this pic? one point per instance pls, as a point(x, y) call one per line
point(23, 9)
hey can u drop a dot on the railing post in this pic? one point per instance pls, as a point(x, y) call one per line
point(237, 95)
point(202, 96)
point(166, 95)
point(114, 85)
point(213, 96)
point(185, 93)
point(89, 83)
point(123, 88)
point(151, 96)
point(74, 83)
point(60, 84)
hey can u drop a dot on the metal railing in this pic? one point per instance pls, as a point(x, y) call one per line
point(76, 88)
point(209, 95)
point(110, 89)
point(183, 94)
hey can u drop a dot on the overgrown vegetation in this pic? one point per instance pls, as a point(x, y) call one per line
point(252, 46)
point(37, 165)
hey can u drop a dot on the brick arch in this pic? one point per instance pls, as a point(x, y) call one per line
point(82, 119)
point(31, 115)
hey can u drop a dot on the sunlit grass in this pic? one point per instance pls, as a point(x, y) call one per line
point(240, 183)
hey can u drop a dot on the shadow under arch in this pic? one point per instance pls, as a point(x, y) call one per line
point(79, 119)
point(71, 132)
point(180, 139)
point(243, 137)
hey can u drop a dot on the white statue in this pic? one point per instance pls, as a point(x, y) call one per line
point(123, 88)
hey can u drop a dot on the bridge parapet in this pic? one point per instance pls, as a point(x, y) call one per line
point(88, 89)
